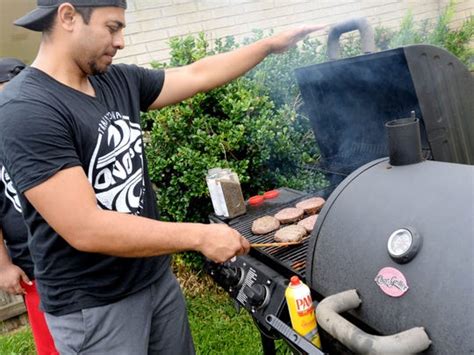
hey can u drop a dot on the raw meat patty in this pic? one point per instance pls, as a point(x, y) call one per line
point(265, 224)
point(311, 205)
point(293, 233)
point(289, 215)
point(309, 222)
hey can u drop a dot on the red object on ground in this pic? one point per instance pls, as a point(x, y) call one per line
point(271, 194)
point(256, 200)
point(43, 339)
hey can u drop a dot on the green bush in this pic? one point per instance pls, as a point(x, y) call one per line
point(438, 33)
point(236, 126)
point(459, 42)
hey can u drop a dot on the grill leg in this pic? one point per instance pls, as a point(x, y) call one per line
point(268, 345)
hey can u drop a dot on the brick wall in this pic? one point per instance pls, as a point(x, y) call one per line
point(150, 23)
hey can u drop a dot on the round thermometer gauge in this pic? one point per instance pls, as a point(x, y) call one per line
point(403, 245)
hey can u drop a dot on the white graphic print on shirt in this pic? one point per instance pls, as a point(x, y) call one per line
point(10, 190)
point(116, 167)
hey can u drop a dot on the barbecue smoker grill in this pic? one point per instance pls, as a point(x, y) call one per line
point(393, 245)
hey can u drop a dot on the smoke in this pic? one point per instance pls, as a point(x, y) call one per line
point(348, 102)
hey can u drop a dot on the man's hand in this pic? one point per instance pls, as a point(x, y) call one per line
point(10, 277)
point(223, 243)
point(287, 39)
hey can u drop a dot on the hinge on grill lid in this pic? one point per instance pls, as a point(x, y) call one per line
point(298, 342)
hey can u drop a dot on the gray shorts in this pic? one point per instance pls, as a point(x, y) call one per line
point(152, 321)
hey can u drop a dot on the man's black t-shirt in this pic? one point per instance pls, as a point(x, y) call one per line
point(12, 225)
point(45, 127)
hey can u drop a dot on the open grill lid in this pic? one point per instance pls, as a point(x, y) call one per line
point(348, 101)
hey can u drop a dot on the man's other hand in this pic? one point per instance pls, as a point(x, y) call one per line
point(10, 277)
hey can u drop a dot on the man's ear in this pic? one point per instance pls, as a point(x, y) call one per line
point(67, 16)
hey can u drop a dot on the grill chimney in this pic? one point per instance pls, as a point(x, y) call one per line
point(404, 142)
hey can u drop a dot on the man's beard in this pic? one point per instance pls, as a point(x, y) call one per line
point(95, 70)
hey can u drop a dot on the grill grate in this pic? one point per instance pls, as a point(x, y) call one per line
point(293, 257)
point(290, 260)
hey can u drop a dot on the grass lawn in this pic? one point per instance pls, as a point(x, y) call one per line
point(19, 342)
point(217, 328)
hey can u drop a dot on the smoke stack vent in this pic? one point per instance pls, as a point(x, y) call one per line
point(404, 142)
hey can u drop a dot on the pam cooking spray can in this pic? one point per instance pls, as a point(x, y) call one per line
point(300, 305)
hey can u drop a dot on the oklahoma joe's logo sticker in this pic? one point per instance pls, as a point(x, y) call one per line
point(116, 167)
point(392, 282)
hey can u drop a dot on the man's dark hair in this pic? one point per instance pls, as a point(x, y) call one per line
point(84, 11)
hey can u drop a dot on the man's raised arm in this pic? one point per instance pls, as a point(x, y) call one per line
point(214, 71)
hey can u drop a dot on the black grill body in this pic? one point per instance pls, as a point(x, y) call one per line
point(348, 102)
point(349, 247)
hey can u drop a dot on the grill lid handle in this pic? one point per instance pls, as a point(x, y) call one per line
point(410, 341)
point(359, 23)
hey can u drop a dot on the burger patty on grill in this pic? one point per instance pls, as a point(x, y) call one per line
point(293, 233)
point(311, 205)
point(289, 215)
point(308, 222)
point(265, 224)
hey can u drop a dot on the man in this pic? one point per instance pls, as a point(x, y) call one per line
point(16, 266)
point(71, 125)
